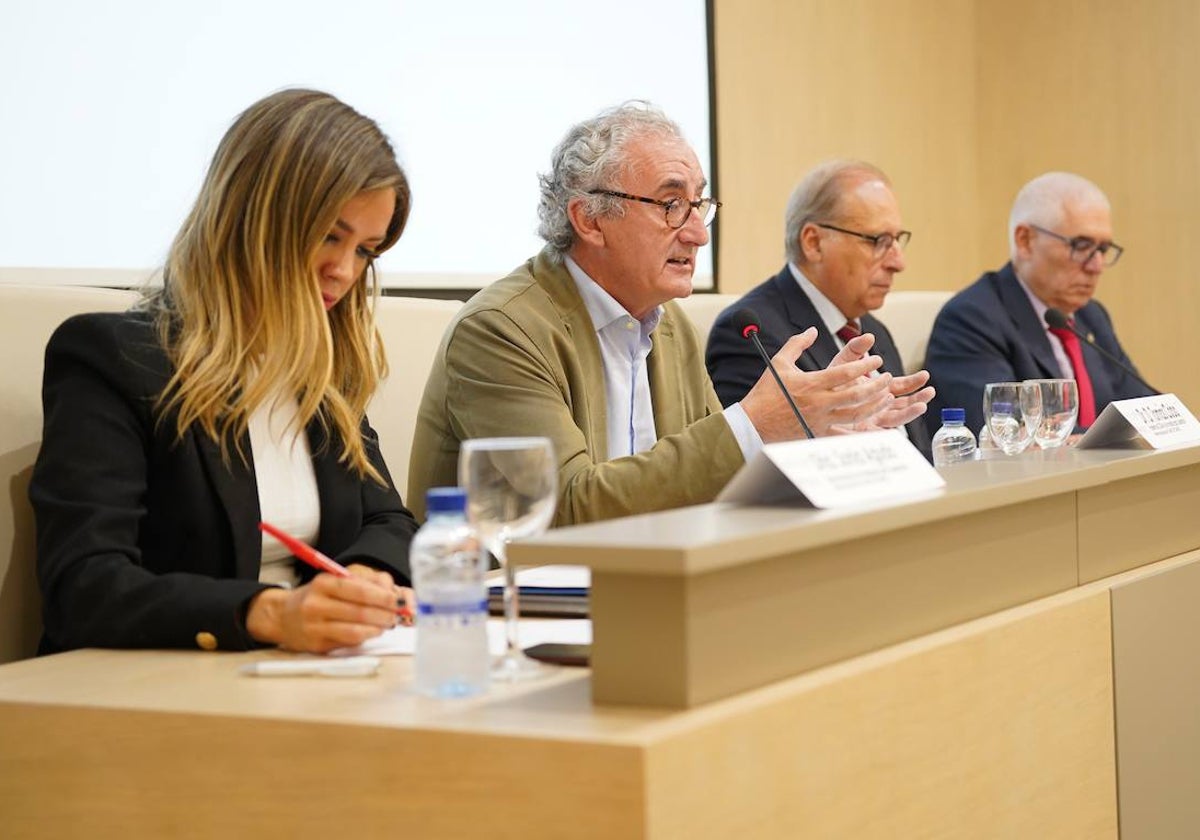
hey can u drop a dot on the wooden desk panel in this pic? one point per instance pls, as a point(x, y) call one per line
point(679, 597)
point(681, 641)
point(1139, 520)
point(1000, 727)
point(1156, 662)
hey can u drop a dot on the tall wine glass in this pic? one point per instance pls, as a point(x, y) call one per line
point(1060, 408)
point(1012, 413)
point(512, 492)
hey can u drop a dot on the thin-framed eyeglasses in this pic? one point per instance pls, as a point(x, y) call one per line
point(676, 210)
point(881, 242)
point(1083, 248)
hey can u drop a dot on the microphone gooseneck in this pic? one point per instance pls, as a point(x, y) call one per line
point(745, 321)
point(1056, 320)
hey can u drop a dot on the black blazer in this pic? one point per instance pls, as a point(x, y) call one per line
point(989, 332)
point(783, 310)
point(148, 542)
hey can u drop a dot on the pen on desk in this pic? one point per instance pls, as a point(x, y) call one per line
point(353, 666)
point(318, 560)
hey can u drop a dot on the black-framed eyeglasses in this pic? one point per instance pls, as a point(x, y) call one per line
point(881, 242)
point(676, 210)
point(1083, 248)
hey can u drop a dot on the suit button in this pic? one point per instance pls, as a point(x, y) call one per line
point(206, 641)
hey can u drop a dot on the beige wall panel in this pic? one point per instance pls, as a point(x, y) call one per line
point(800, 81)
point(962, 103)
point(1156, 676)
point(1002, 731)
point(1106, 88)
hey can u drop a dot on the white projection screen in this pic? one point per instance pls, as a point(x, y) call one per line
point(112, 110)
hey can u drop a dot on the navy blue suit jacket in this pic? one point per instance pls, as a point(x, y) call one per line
point(784, 310)
point(989, 332)
point(146, 541)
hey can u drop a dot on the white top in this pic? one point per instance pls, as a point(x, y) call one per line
point(624, 345)
point(287, 486)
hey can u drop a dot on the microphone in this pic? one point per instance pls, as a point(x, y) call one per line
point(1056, 320)
point(745, 321)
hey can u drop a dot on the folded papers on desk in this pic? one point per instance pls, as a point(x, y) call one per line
point(546, 591)
point(402, 641)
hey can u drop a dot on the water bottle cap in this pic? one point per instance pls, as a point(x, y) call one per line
point(1002, 408)
point(446, 500)
point(954, 415)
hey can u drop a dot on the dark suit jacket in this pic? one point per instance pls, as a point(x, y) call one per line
point(146, 542)
point(783, 310)
point(989, 332)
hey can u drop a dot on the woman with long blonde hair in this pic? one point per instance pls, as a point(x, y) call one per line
point(236, 395)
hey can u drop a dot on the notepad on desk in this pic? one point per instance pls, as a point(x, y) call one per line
point(551, 591)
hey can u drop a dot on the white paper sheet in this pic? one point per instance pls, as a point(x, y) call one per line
point(401, 641)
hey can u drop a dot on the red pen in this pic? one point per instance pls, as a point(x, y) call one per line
point(316, 559)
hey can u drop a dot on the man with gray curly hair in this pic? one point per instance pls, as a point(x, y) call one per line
point(583, 343)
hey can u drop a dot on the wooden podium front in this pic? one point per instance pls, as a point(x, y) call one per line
point(939, 667)
point(701, 603)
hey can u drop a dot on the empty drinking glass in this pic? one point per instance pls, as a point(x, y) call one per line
point(1060, 408)
point(512, 491)
point(1012, 413)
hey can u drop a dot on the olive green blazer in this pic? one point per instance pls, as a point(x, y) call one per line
point(522, 358)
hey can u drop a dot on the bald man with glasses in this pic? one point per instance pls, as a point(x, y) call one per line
point(995, 330)
point(845, 244)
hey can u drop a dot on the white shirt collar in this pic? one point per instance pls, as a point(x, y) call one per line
point(602, 307)
point(831, 316)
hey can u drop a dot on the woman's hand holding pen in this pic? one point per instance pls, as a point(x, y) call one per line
point(329, 612)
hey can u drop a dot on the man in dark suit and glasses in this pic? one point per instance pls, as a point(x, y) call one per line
point(844, 243)
point(995, 330)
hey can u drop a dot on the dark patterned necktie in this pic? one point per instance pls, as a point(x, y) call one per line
point(849, 331)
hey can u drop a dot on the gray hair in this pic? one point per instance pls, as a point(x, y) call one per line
point(1042, 201)
point(818, 198)
point(593, 156)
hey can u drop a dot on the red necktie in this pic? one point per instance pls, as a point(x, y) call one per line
point(849, 331)
point(1087, 400)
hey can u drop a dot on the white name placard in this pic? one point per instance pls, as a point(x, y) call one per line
point(834, 471)
point(1157, 422)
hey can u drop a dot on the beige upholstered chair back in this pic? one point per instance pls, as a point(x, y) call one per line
point(28, 315)
point(703, 309)
point(412, 329)
point(909, 318)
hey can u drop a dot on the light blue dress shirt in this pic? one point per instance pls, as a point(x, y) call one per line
point(624, 345)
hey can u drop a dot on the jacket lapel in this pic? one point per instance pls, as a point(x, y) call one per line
point(666, 377)
point(237, 490)
point(1032, 332)
point(801, 314)
point(558, 284)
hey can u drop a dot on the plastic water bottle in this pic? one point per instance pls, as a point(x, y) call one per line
point(452, 658)
point(953, 442)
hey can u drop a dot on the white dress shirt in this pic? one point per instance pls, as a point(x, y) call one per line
point(1060, 353)
point(831, 317)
